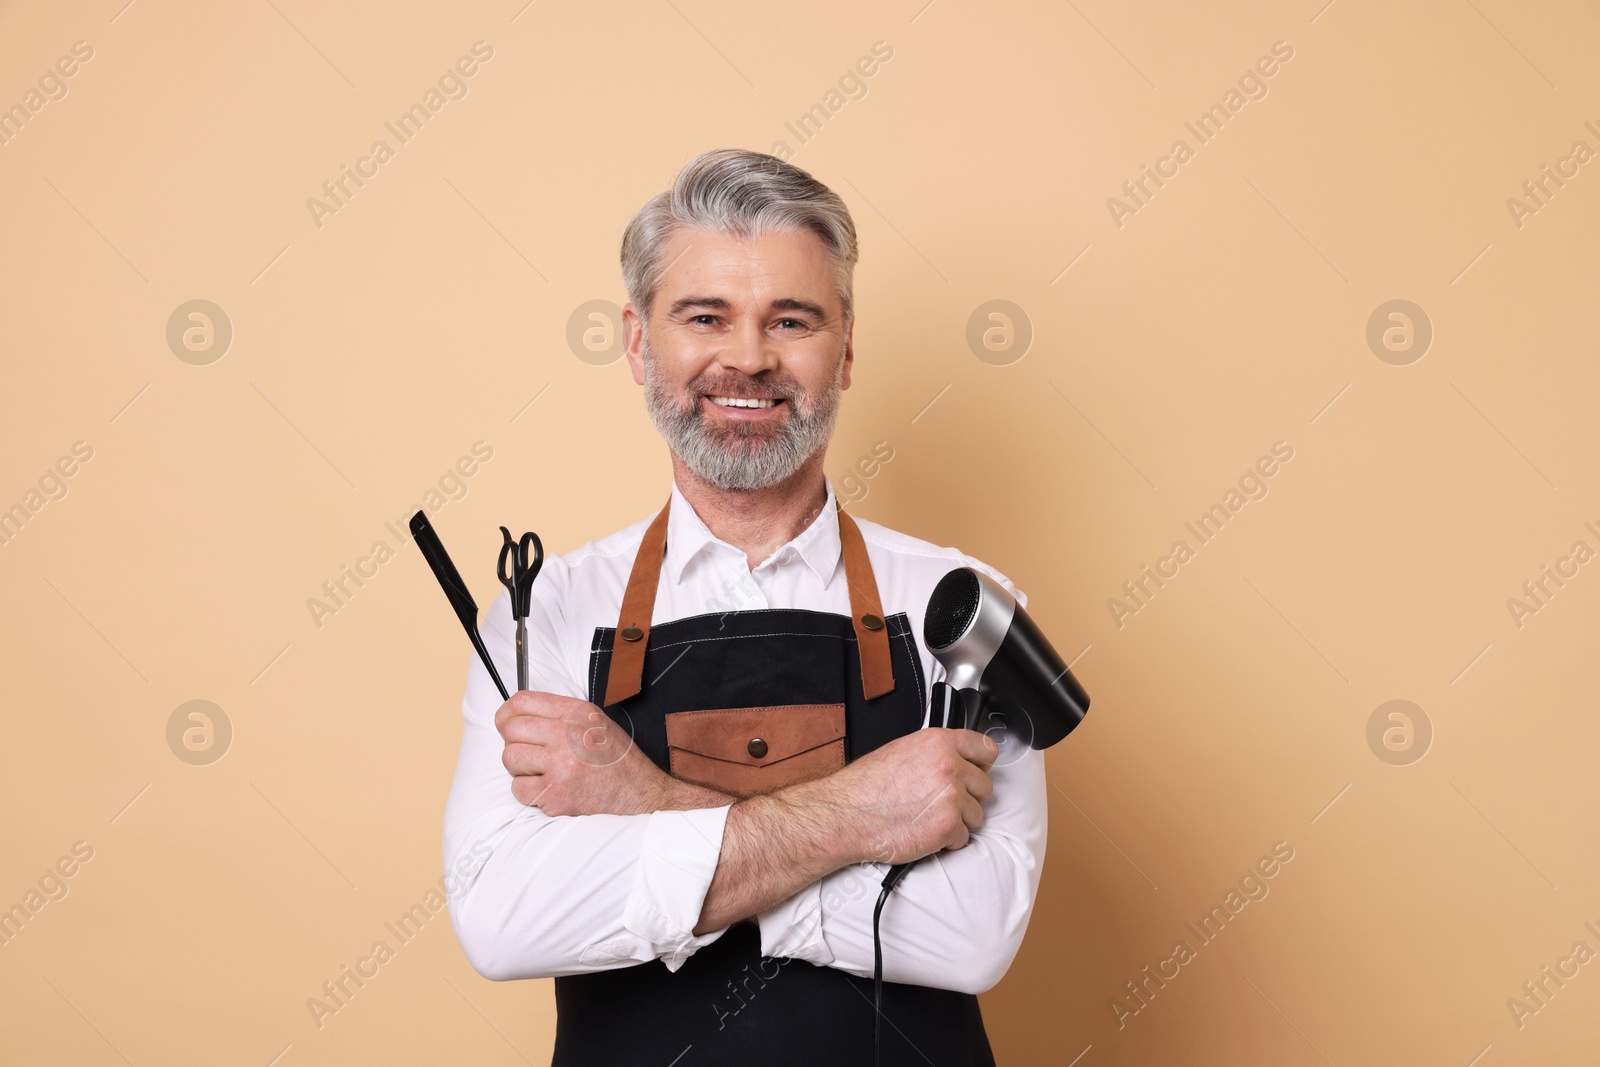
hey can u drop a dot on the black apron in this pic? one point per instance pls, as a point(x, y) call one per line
point(728, 1004)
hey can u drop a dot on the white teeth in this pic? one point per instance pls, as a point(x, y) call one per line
point(741, 402)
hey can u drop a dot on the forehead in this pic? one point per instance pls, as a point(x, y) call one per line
point(789, 262)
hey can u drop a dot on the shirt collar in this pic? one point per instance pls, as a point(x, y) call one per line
point(817, 545)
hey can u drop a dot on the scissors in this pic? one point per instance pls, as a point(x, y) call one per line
point(517, 575)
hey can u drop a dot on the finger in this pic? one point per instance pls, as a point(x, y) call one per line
point(531, 702)
point(977, 783)
point(515, 724)
point(505, 711)
point(528, 788)
point(528, 730)
point(520, 759)
point(971, 813)
point(959, 837)
point(976, 748)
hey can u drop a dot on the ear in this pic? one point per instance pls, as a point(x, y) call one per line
point(633, 334)
point(849, 355)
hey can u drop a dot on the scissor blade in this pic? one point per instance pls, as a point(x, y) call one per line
point(522, 654)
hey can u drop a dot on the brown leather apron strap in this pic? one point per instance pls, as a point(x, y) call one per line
point(866, 612)
point(625, 677)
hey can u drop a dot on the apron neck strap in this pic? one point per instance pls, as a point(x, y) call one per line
point(625, 677)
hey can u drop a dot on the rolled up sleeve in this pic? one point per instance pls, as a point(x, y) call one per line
point(957, 918)
point(792, 928)
point(677, 860)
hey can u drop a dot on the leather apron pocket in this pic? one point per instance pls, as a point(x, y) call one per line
point(744, 751)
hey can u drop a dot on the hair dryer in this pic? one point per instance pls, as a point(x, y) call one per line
point(1000, 672)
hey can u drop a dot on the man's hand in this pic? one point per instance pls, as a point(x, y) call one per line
point(918, 794)
point(904, 800)
point(568, 757)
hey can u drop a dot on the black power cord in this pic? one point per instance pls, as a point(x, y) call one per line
point(946, 709)
point(890, 880)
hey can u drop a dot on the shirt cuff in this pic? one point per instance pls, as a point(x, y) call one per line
point(676, 863)
point(793, 928)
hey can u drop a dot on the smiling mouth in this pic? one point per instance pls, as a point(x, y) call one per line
point(744, 401)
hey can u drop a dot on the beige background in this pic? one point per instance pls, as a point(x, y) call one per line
point(1228, 313)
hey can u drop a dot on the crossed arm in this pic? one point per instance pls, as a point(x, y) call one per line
point(582, 859)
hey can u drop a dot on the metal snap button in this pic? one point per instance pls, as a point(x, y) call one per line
point(871, 621)
point(632, 633)
point(757, 747)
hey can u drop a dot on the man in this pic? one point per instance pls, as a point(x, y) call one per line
point(762, 646)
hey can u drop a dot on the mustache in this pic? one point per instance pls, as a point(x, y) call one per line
point(747, 389)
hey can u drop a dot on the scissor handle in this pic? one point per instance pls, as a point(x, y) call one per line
point(518, 578)
point(508, 576)
point(530, 570)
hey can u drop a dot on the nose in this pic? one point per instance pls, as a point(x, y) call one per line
point(749, 349)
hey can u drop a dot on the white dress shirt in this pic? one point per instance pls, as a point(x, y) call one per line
point(560, 895)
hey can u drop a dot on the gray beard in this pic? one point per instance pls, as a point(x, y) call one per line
point(741, 458)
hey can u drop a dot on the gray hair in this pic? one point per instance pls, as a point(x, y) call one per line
point(744, 194)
